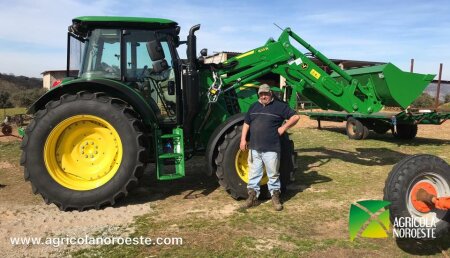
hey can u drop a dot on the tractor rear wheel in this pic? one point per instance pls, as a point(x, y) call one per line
point(406, 178)
point(233, 169)
point(84, 151)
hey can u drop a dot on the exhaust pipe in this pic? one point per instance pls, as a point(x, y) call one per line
point(191, 87)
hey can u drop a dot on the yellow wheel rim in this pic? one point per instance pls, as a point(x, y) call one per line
point(83, 152)
point(242, 168)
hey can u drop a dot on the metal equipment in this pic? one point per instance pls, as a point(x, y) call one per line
point(7, 129)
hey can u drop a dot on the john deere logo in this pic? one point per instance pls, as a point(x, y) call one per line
point(368, 218)
point(304, 66)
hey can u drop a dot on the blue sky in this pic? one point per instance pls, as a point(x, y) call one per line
point(33, 33)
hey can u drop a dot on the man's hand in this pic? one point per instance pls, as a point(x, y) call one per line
point(243, 145)
point(281, 130)
point(289, 123)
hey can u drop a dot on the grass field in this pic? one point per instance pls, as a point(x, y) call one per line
point(333, 173)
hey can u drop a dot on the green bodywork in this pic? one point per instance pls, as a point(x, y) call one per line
point(363, 90)
point(89, 22)
point(393, 87)
point(124, 20)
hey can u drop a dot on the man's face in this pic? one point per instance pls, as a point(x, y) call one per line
point(265, 97)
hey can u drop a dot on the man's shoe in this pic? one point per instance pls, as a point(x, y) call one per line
point(276, 201)
point(251, 200)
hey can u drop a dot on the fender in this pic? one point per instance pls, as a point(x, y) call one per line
point(216, 137)
point(147, 110)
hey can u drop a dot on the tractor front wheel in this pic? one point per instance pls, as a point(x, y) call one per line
point(83, 151)
point(233, 169)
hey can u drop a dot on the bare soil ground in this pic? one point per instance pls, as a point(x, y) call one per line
point(192, 203)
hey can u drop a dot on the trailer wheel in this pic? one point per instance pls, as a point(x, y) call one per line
point(356, 130)
point(233, 170)
point(405, 132)
point(83, 151)
point(406, 178)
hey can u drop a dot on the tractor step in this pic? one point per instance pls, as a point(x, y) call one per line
point(170, 156)
point(170, 148)
point(168, 136)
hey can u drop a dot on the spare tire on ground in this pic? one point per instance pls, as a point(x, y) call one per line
point(410, 175)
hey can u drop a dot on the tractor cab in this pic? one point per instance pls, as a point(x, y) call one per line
point(139, 52)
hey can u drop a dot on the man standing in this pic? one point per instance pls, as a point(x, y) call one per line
point(265, 120)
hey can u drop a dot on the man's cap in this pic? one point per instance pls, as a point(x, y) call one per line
point(263, 88)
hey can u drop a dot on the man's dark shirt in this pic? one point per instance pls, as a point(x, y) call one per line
point(264, 122)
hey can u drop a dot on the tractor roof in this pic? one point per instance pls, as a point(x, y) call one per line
point(81, 25)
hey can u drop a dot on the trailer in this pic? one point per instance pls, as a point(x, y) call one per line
point(403, 125)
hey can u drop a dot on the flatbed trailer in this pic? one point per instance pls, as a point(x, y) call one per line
point(403, 125)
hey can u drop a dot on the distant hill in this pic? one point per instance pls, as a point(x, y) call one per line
point(10, 82)
point(19, 91)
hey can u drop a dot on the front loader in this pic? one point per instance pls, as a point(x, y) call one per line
point(134, 101)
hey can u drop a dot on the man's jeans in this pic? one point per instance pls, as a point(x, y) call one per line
point(257, 160)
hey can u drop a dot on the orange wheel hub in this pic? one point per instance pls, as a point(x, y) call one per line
point(419, 205)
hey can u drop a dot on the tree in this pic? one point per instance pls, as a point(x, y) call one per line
point(24, 98)
point(424, 101)
point(4, 100)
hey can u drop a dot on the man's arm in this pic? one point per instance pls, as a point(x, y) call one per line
point(243, 145)
point(289, 123)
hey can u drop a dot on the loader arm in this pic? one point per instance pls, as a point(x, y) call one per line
point(338, 91)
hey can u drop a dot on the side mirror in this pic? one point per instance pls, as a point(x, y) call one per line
point(204, 52)
point(171, 88)
point(176, 41)
point(155, 50)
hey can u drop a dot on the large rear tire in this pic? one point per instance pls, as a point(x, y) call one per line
point(406, 177)
point(84, 151)
point(233, 170)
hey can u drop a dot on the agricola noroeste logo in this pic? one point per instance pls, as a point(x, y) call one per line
point(369, 218)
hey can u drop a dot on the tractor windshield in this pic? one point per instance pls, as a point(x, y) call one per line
point(103, 55)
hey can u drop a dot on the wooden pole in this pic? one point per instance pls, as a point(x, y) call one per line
point(438, 87)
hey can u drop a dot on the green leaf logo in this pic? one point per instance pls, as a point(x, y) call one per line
point(364, 212)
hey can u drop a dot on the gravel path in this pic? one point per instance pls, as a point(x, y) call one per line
point(41, 220)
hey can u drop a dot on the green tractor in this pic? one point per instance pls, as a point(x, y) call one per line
point(134, 101)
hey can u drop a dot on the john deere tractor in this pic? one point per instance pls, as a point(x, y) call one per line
point(134, 101)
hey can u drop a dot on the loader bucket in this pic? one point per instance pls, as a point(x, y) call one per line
point(393, 86)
